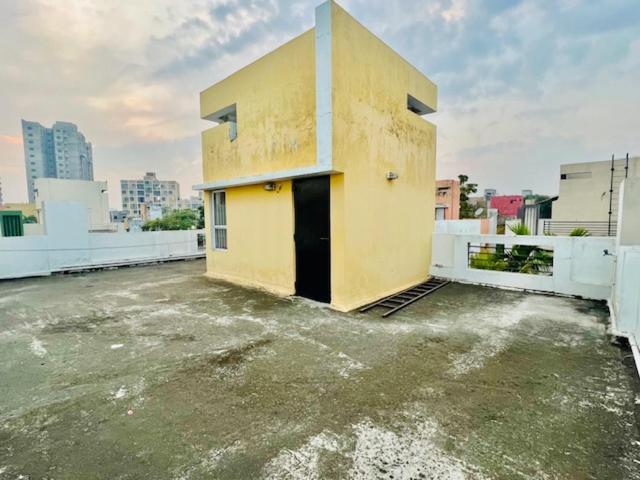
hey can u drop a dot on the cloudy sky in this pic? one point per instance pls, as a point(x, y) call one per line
point(524, 85)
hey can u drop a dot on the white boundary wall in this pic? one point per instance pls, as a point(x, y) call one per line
point(69, 245)
point(625, 300)
point(579, 265)
point(458, 226)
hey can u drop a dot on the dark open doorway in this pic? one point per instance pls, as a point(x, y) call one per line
point(311, 200)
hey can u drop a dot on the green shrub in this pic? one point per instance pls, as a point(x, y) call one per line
point(520, 229)
point(579, 232)
point(176, 220)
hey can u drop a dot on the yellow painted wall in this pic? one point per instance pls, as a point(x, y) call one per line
point(259, 238)
point(381, 230)
point(275, 105)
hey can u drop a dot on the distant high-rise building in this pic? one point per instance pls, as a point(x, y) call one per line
point(148, 192)
point(57, 152)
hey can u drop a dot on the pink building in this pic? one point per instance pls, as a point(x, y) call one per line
point(447, 200)
point(507, 205)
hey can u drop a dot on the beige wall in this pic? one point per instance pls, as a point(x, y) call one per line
point(629, 216)
point(381, 230)
point(93, 195)
point(584, 194)
point(27, 209)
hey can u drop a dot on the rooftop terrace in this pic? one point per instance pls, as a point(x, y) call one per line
point(158, 372)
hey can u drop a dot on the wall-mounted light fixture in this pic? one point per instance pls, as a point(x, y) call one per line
point(392, 176)
point(270, 187)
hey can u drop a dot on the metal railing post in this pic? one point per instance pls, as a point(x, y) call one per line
point(611, 194)
point(626, 166)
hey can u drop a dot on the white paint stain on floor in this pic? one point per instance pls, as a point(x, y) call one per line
point(496, 328)
point(37, 347)
point(373, 451)
point(303, 463)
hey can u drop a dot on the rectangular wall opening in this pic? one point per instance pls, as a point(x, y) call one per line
point(416, 106)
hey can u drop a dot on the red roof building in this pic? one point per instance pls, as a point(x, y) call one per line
point(507, 205)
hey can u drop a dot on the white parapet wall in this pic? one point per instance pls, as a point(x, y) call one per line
point(580, 265)
point(459, 226)
point(68, 245)
point(625, 301)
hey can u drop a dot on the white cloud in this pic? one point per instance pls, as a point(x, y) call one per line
point(455, 12)
point(524, 85)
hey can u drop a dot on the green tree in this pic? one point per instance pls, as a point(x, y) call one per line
point(29, 219)
point(176, 220)
point(466, 209)
point(201, 217)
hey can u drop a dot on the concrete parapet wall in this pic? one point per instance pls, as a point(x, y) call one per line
point(67, 244)
point(579, 265)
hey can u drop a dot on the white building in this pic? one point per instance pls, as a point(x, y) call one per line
point(92, 195)
point(149, 191)
point(585, 198)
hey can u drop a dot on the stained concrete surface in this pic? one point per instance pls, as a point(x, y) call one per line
point(158, 372)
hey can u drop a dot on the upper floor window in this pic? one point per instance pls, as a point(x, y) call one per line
point(572, 175)
point(219, 230)
point(417, 107)
point(227, 115)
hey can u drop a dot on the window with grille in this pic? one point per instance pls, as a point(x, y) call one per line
point(219, 220)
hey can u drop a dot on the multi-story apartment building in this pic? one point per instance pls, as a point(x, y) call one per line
point(319, 177)
point(191, 203)
point(147, 192)
point(58, 152)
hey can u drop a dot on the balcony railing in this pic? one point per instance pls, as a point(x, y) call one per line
point(595, 229)
point(530, 259)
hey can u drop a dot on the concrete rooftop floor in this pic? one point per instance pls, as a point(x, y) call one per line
point(157, 372)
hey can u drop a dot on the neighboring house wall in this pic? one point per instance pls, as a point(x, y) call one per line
point(507, 205)
point(448, 196)
point(584, 190)
point(93, 195)
point(27, 209)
